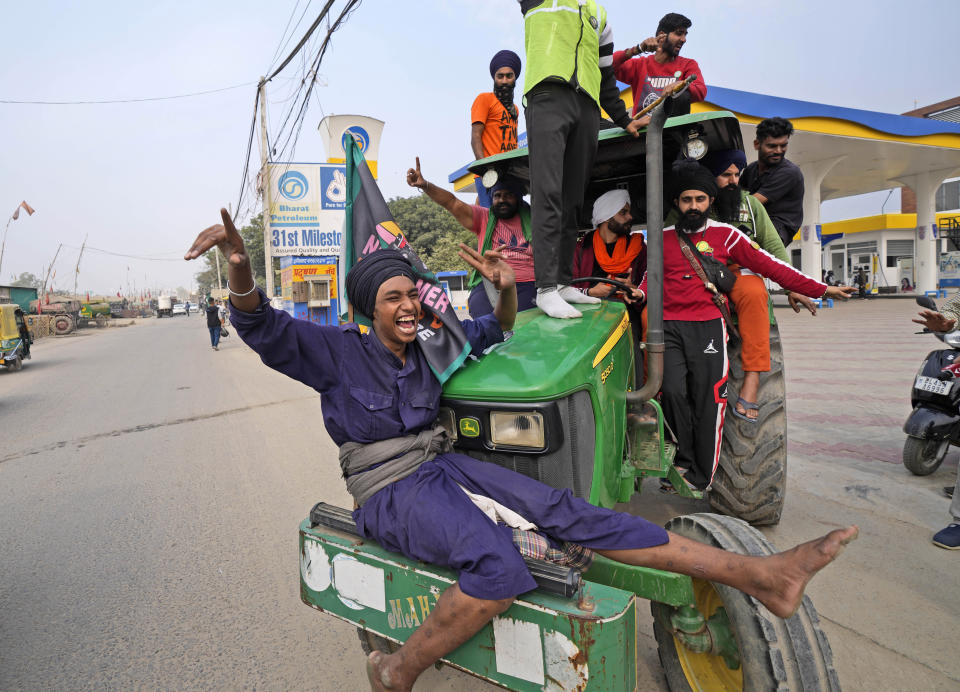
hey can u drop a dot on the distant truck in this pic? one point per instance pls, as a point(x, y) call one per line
point(98, 313)
point(165, 306)
point(66, 313)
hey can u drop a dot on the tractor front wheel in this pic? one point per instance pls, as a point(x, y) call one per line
point(728, 640)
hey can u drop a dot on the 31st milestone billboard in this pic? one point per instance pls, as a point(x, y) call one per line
point(307, 203)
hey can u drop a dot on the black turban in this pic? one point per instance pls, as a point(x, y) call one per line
point(366, 276)
point(510, 184)
point(505, 58)
point(690, 175)
point(718, 161)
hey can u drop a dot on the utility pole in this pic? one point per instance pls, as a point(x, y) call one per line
point(43, 289)
point(76, 273)
point(266, 187)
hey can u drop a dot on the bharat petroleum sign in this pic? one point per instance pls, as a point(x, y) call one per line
point(365, 131)
point(306, 213)
point(293, 186)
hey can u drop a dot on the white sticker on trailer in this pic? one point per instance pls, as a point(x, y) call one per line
point(518, 649)
point(314, 566)
point(359, 582)
point(566, 667)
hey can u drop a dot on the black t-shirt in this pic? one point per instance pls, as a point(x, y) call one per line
point(782, 185)
point(213, 316)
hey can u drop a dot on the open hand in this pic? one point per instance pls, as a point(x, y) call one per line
point(224, 236)
point(490, 264)
point(935, 321)
point(415, 178)
point(798, 301)
point(839, 292)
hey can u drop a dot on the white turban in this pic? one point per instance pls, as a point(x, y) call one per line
point(608, 204)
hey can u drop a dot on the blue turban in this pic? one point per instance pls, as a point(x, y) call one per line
point(718, 161)
point(366, 276)
point(505, 58)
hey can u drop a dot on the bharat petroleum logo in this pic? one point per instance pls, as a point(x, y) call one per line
point(360, 136)
point(292, 185)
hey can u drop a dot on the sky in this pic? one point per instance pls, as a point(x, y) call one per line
point(142, 179)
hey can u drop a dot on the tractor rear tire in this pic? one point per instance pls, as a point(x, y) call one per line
point(775, 654)
point(62, 324)
point(751, 480)
point(371, 642)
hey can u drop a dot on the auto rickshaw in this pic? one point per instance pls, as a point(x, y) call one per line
point(15, 338)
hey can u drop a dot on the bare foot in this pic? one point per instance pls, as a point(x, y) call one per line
point(790, 571)
point(379, 676)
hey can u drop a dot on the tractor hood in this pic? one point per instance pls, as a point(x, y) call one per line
point(546, 358)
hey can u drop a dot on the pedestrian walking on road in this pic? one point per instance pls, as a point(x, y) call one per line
point(214, 323)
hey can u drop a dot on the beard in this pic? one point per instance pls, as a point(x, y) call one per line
point(504, 210)
point(727, 204)
point(691, 220)
point(620, 229)
point(504, 94)
point(670, 47)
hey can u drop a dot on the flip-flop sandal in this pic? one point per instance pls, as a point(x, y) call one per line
point(748, 406)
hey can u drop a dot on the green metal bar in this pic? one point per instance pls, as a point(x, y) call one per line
point(653, 584)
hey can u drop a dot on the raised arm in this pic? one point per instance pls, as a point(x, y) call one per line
point(493, 268)
point(461, 211)
point(302, 350)
point(227, 239)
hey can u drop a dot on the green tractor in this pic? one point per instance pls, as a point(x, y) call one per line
point(556, 402)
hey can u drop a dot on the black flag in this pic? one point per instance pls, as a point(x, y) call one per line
point(369, 226)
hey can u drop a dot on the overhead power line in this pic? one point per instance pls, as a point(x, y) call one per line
point(306, 37)
point(88, 248)
point(138, 100)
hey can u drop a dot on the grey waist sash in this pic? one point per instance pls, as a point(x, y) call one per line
point(403, 455)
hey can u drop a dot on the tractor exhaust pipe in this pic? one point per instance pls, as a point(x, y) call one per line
point(654, 342)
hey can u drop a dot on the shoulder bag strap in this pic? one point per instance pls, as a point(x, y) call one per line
point(720, 300)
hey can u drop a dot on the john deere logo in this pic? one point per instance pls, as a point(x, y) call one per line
point(470, 427)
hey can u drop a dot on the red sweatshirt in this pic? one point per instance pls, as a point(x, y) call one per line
point(684, 295)
point(648, 78)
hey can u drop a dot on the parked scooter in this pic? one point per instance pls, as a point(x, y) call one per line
point(934, 423)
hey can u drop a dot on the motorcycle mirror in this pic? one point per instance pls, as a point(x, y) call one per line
point(926, 302)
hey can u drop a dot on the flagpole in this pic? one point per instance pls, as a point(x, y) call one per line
point(43, 291)
point(3, 246)
point(76, 272)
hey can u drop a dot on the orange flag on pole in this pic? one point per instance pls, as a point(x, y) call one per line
point(26, 207)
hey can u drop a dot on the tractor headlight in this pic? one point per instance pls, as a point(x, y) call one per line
point(448, 419)
point(695, 148)
point(517, 429)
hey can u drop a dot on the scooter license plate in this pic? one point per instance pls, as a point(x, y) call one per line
point(933, 385)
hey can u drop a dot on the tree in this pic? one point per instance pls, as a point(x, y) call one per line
point(252, 235)
point(27, 280)
point(433, 232)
